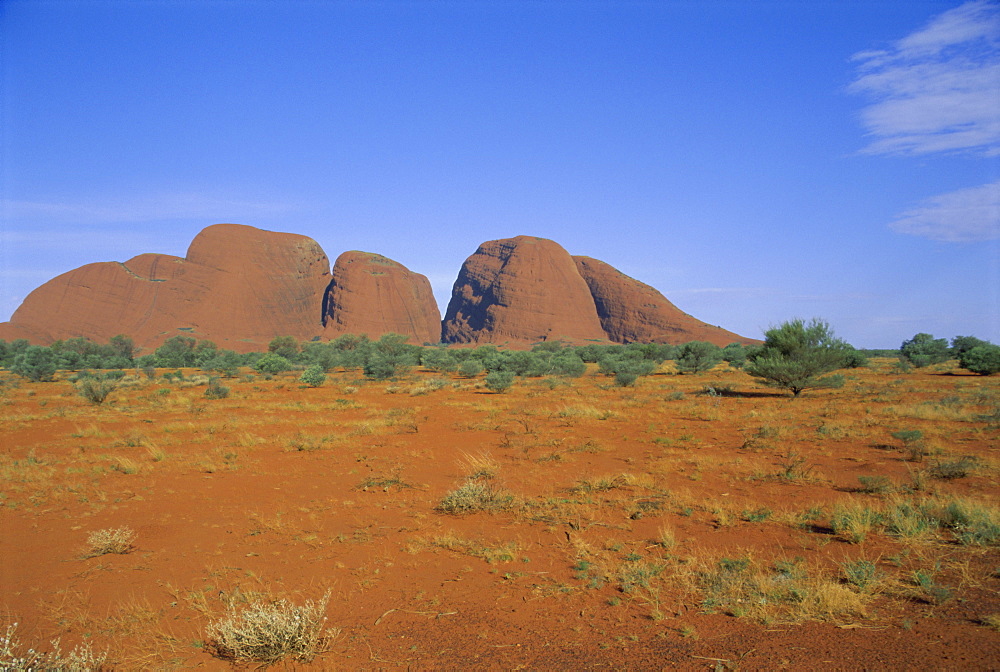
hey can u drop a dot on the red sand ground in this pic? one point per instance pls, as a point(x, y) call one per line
point(286, 491)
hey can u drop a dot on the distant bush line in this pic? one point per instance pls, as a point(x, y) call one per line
point(390, 356)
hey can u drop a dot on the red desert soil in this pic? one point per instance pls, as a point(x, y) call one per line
point(652, 527)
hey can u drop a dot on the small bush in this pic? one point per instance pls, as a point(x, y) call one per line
point(272, 364)
point(499, 381)
point(96, 390)
point(626, 378)
point(863, 573)
point(951, 469)
point(698, 356)
point(913, 444)
point(215, 390)
point(474, 496)
point(470, 368)
point(313, 376)
point(118, 540)
point(266, 632)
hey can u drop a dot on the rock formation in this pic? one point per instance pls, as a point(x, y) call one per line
point(370, 294)
point(238, 286)
point(520, 290)
point(633, 312)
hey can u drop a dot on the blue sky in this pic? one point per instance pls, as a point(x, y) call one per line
point(754, 161)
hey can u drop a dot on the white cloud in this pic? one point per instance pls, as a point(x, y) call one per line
point(937, 89)
point(958, 216)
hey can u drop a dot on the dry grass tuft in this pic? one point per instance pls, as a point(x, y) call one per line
point(474, 496)
point(480, 466)
point(118, 540)
point(267, 632)
point(13, 657)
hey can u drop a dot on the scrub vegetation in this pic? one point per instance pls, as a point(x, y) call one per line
point(640, 505)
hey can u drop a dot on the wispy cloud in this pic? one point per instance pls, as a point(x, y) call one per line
point(958, 216)
point(142, 209)
point(938, 89)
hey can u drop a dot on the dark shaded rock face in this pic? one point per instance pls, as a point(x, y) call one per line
point(238, 286)
point(633, 312)
point(517, 291)
point(371, 294)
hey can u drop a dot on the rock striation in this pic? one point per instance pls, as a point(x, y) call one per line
point(633, 312)
point(517, 291)
point(371, 294)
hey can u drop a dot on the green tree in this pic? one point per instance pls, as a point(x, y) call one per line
point(284, 346)
point(924, 350)
point(176, 352)
point(698, 356)
point(962, 344)
point(123, 346)
point(390, 356)
point(795, 356)
point(438, 359)
point(735, 354)
point(982, 359)
point(225, 362)
point(205, 352)
point(36, 363)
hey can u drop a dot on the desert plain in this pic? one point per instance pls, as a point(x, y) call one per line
point(687, 522)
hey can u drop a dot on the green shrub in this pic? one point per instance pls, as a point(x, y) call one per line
point(973, 523)
point(499, 381)
point(626, 378)
point(924, 350)
point(176, 352)
point(96, 389)
point(36, 363)
point(735, 354)
point(698, 356)
point(962, 344)
point(272, 364)
point(438, 359)
point(795, 356)
point(313, 376)
point(284, 346)
point(470, 368)
point(982, 359)
point(215, 390)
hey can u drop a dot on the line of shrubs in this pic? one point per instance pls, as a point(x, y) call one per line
point(391, 356)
